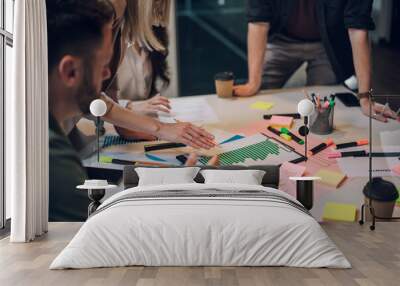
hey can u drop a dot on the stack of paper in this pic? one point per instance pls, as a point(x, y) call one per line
point(330, 178)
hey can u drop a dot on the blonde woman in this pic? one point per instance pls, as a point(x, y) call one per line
point(129, 26)
point(140, 60)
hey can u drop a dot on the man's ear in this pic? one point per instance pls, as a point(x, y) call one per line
point(70, 70)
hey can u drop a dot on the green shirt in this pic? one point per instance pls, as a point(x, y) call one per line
point(65, 173)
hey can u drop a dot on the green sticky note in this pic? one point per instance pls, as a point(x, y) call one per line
point(339, 212)
point(105, 159)
point(262, 105)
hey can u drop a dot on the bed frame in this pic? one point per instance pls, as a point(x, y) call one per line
point(271, 178)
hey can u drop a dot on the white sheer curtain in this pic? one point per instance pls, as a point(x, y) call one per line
point(27, 124)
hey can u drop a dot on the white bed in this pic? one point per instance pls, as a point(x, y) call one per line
point(247, 226)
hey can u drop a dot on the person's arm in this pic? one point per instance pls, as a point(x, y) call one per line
point(181, 132)
point(256, 45)
point(361, 58)
point(362, 65)
point(358, 21)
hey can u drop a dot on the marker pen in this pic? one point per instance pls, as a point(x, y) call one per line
point(273, 130)
point(313, 98)
point(294, 137)
point(294, 115)
point(162, 146)
point(320, 147)
point(279, 133)
point(110, 160)
point(334, 155)
point(352, 144)
point(318, 101)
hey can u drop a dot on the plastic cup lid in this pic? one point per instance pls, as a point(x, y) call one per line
point(224, 76)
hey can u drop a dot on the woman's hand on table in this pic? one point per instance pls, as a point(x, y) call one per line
point(186, 133)
point(380, 112)
point(151, 106)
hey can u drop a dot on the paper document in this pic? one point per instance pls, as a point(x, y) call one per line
point(195, 110)
point(390, 141)
point(359, 167)
point(253, 150)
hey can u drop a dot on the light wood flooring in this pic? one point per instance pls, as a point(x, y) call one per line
point(375, 257)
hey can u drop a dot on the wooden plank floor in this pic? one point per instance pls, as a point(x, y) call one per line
point(375, 257)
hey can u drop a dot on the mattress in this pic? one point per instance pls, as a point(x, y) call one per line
point(201, 225)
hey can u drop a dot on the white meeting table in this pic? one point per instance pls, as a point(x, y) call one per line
point(350, 124)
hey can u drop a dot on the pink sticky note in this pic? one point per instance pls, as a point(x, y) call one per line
point(281, 121)
point(253, 128)
point(290, 170)
point(293, 170)
point(396, 169)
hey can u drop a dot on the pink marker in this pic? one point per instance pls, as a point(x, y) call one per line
point(335, 155)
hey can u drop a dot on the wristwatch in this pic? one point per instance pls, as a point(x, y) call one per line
point(362, 95)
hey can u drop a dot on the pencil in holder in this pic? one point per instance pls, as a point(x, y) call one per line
point(321, 121)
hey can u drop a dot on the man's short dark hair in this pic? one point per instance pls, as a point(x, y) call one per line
point(75, 27)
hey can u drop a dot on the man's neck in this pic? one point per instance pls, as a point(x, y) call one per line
point(60, 109)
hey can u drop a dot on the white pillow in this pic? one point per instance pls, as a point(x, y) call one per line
point(247, 177)
point(166, 176)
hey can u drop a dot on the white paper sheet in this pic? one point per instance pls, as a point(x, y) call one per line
point(284, 155)
point(390, 141)
point(390, 138)
point(359, 167)
point(195, 110)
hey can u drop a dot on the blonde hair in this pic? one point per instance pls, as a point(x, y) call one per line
point(140, 17)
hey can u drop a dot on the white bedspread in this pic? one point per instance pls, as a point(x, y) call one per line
point(200, 231)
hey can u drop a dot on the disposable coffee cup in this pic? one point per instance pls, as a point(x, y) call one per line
point(224, 84)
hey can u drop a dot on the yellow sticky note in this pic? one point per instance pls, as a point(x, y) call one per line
point(339, 212)
point(262, 105)
point(330, 178)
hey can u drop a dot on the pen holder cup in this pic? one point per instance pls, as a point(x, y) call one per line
point(321, 121)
